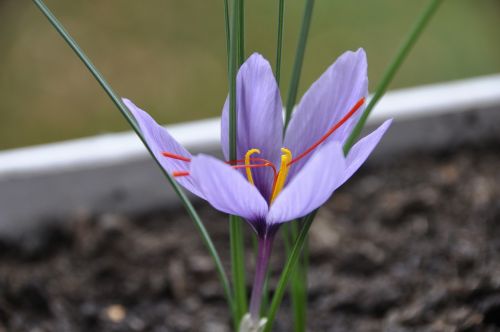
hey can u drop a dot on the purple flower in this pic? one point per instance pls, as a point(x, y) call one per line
point(276, 179)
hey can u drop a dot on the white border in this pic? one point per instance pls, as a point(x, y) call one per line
point(203, 135)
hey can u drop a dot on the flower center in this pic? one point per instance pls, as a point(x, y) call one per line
point(279, 178)
point(286, 158)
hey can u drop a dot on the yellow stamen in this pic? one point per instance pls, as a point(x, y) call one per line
point(286, 157)
point(247, 163)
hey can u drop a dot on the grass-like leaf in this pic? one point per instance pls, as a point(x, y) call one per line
point(287, 270)
point(299, 60)
point(279, 39)
point(392, 69)
point(236, 48)
point(124, 111)
point(298, 289)
point(306, 222)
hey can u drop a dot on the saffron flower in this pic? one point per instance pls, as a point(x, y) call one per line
point(277, 177)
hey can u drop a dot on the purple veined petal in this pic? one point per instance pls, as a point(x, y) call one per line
point(312, 186)
point(362, 149)
point(159, 140)
point(226, 189)
point(326, 102)
point(259, 117)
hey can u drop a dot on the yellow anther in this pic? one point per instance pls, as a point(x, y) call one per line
point(286, 157)
point(247, 163)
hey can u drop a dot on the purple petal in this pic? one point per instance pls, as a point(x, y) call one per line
point(259, 116)
point(159, 140)
point(226, 189)
point(326, 102)
point(312, 186)
point(362, 149)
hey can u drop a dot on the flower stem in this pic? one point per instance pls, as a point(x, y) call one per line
point(235, 224)
point(261, 264)
point(287, 270)
point(238, 266)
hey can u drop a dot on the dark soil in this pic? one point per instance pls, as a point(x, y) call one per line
point(411, 245)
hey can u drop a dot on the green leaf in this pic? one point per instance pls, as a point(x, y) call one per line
point(124, 111)
point(392, 69)
point(235, 225)
point(299, 60)
point(411, 39)
point(279, 39)
point(298, 289)
point(287, 270)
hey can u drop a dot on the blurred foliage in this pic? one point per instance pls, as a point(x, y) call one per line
point(169, 56)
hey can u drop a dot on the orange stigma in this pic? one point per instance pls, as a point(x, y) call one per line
point(177, 174)
point(331, 131)
point(175, 156)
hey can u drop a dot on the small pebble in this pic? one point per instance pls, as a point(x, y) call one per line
point(116, 313)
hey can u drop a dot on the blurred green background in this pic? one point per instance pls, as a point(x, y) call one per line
point(169, 56)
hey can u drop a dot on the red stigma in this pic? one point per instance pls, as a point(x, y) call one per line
point(175, 156)
point(268, 164)
point(237, 161)
point(330, 131)
point(177, 174)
